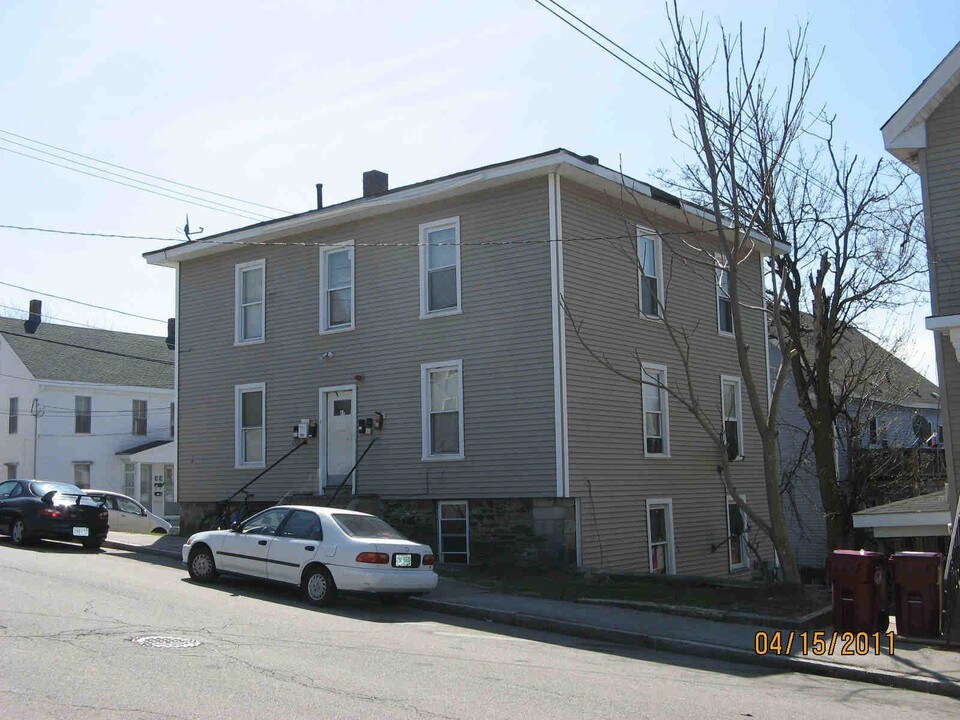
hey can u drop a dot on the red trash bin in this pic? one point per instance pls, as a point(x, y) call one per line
point(917, 592)
point(859, 580)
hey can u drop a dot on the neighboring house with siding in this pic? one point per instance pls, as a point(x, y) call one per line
point(443, 316)
point(79, 405)
point(924, 133)
point(891, 419)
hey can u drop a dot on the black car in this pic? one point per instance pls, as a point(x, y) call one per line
point(35, 509)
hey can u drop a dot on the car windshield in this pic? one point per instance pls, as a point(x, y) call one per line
point(42, 488)
point(366, 526)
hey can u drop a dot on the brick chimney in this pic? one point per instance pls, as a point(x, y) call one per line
point(172, 333)
point(375, 183)
point(36, 316)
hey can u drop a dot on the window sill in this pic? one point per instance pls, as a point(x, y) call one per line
point(249, 466)
point(724, 333)
point(442, 458)
point(654, 318)
point(656, 456)
point(337, 330)
point(241, 343)
point(440, 313)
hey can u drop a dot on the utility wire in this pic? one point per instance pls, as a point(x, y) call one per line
point(125, 177)
point(136, 187)
point(85, 304)
point(92, 234)
point(91, 349)
point(48, 317)
point(138, 172)
point(798, 171)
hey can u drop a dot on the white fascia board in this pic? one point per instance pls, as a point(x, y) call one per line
point(562, 163)
point(61, 384)
point(924, 100)
point(910, 519)
point(912, 531)
point(942, 322)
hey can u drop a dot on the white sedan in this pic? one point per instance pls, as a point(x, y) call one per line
point(321, 550)
point(127, 515)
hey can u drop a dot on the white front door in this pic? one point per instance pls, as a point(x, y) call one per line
point(339, 446)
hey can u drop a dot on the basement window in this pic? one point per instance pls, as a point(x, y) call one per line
point(454, 531)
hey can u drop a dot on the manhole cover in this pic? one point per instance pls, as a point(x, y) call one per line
point(165, 642)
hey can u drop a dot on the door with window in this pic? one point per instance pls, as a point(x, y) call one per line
point(294, 547)
point(246, 551)
point(338, 449)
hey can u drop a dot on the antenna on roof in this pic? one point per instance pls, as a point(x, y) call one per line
point(186, 229)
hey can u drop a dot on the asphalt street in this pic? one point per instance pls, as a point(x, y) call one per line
point(73, 623)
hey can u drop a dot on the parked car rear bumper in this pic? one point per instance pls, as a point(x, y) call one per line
point(64, 531)
point(383, 580)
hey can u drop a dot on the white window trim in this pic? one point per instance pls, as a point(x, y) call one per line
point(643, 232)
point(665, 412)
point(237, 312)
point(89, 464)
point(440, 504)
point(425, 369)
point(739, 382)
point(322, 432)
point(671, 547)
point(238, 391)
point(325, 250)
point(744, 550)
point(425, 228)
point(721, 266)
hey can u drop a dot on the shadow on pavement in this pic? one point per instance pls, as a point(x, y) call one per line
point(365, 608)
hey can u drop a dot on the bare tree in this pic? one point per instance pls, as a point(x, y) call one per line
point(856, 249)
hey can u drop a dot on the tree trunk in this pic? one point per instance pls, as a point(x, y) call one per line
point(835, 511)
point(778, 523)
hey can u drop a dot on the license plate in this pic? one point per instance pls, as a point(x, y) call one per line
point(81, 532)
point(403, 560)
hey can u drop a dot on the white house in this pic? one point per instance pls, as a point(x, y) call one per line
point(88, 406)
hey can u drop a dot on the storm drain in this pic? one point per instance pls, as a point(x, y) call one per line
point(165, 642)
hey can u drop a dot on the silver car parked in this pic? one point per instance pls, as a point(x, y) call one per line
point(127, 515)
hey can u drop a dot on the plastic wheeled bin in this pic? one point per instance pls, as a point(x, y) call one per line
point(917, 592)
point(859, 580)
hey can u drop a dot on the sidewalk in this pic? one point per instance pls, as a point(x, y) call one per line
point(912, 666)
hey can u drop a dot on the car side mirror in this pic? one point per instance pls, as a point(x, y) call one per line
point(236, 526)
point(47, 498)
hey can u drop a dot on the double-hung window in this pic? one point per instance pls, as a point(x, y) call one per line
point(732, 416)
point(660, 536)
point(129, 479)
point(13, 418)
point(250, 293)
point(139, 417)
point(250, 426)
point(656, 426)
point(650, 264)
point(724, 305)
point(81, 475)
point(336, 287)
point(737, 535)
point(81, 414)
point(441, 386)
point(440, 268)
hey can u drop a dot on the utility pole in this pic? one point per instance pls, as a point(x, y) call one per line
point(37, 412)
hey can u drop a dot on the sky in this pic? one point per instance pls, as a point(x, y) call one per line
point(260, 101)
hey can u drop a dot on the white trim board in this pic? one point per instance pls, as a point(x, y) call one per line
point(561, 432)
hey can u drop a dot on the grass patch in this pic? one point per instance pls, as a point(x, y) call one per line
point(778, 600)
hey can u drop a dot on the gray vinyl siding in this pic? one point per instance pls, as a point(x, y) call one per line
point(941, 178)
point(608, 471)
point(503, 337)
point(942, 168)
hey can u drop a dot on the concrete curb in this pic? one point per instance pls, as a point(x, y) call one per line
point(698, 649)
point(817, 618)
point(654, 642)
point(132, 547)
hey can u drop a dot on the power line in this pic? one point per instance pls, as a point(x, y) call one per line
point(50, 317)
point(125, 177)
point(137, 187)
point(798, 171)
point(85, 304)
point(91, 349)
point(92, 234)
point(138, 172)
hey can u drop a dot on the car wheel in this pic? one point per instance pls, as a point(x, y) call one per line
point(18, 532)
point(318, 587)
point(158, 531)
point(92, 544)
point(201, 565)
